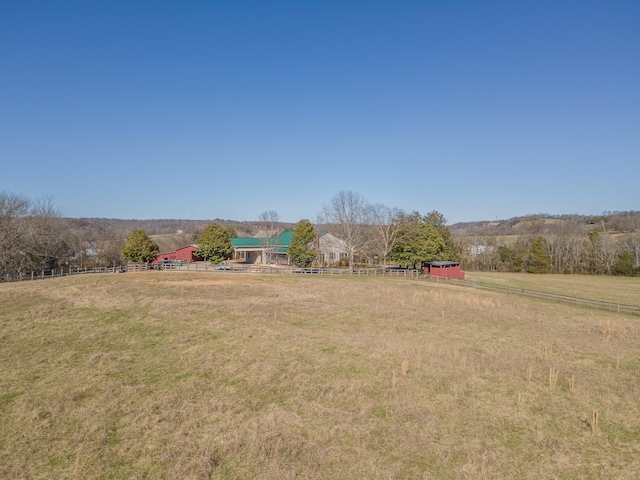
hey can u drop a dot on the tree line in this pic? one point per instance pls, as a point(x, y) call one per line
point(375, 234)
point(371, 234)
point(568, 245)
point(34, 236)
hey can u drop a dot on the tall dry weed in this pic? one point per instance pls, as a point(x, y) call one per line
point(520, 402)
point(553, 377)
point(463, 361)
point(405, 367)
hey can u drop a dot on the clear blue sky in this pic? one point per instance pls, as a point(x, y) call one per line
point(225, 109)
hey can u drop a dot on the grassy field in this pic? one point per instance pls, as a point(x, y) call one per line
point(595, 287)
point(217, 375)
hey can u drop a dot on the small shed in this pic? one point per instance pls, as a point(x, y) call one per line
point(443, 269)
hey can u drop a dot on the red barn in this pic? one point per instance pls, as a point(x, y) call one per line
point(184, 254)
point(443, 269)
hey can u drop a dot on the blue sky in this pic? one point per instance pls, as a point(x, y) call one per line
point(225, 109)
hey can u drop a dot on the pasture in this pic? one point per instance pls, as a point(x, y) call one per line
point(239, 376)
point(624, 290)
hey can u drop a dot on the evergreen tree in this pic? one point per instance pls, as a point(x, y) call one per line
point(301, 251)
point(139, 247)
point(424, 239)
point(506, 256)
point(214, 243)
point(231, 231)
point(625, 265)
point(451, 249)
point(539, 260)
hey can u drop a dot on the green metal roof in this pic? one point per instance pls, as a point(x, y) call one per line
point(247, 242)
point(281, 241)
point(285, 238)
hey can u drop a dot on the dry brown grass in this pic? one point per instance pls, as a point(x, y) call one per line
point(214, 375)
point(594, 287)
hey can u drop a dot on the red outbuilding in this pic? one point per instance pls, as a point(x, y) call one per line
point(184, 254)
point(443, 269)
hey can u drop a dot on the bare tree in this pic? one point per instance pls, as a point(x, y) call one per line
point(600, 252)
point(480, 253)
point(632, 244)
point(107, 246)
point(13, 210)
point(346, 214)
point(610, 252)
point(81, 237)
point(33, 235)
point(385, 229)
point(47, 242)
point(268, 221)
point(562, 238)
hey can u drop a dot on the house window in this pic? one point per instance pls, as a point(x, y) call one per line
point(332, 256)
point(343, 256)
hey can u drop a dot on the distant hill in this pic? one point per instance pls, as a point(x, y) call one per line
point(615, 222)
point(620, 222)
point(168, 226)
point(168, 233)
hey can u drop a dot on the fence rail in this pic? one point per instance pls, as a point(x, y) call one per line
point(583, 302)
point(197, 267)
point(55, 272)
point(235, 268)
point(358, 272)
